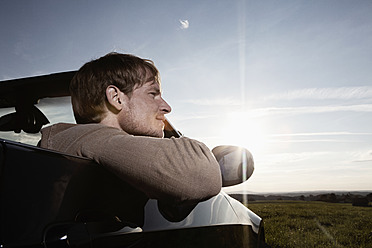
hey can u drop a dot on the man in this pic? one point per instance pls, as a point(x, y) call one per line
point(120, 112)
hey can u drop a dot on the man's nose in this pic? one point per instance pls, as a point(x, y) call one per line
point(164, 107)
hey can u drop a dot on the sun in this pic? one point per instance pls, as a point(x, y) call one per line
point(246, 130)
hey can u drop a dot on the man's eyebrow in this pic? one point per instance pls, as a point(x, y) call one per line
point(155, 86)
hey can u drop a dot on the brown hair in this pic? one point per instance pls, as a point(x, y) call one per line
point(88, 86)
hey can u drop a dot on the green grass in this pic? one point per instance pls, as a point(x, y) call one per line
point(314, 224)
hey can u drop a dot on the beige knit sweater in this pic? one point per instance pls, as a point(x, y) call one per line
point(175, 170)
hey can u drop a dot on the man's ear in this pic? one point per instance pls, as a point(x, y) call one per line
point(114, 97)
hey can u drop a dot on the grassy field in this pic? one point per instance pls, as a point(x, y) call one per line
point(314, 224)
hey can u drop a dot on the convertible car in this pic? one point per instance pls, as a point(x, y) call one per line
point(51, 199)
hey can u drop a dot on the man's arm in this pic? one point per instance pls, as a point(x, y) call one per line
point(174, 170)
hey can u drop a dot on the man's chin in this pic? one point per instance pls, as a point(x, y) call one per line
point(154, 134)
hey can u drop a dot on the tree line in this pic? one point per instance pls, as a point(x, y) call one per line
point(355, 199)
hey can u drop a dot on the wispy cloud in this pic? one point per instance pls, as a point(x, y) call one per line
point(286, 160)
point(320, 134)
point(341, 93)
point(363, 161)
point(257, 112)
point(303, 159)
point(215, 102)
point(330, 137)
point(363, 156)
point(312, 141)
point(313, 109)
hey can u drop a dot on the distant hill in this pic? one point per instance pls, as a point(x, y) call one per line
point(357, 198)
point(305, 193)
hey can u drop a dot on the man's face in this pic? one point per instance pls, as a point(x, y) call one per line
point(145, 111)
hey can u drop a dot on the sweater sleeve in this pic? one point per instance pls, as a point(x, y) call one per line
point(175, 170)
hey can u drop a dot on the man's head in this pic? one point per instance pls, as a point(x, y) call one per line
point(120, 90)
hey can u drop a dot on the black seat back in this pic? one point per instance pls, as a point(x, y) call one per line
point(41, 187)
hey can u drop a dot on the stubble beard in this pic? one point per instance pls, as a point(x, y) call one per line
point(135, 126)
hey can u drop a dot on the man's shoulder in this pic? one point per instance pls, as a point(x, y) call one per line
point(67, 132)
point(71, 127)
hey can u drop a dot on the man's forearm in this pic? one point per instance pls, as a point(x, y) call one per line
point(176, 170)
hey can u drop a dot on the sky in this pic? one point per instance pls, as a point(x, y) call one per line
point(291, 81)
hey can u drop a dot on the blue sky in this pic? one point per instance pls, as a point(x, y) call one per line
point(289, 80)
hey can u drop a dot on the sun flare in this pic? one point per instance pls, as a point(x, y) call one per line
point(246, 130)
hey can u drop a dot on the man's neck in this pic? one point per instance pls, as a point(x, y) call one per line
point(110, 121)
